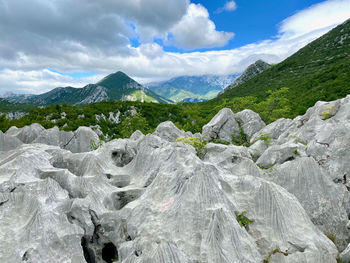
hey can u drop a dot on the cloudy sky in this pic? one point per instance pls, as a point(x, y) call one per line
point(45, 44)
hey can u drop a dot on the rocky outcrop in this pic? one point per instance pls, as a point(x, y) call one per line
point(77, 141)
point(254, 69)
point(222, 126)
point(152, 199)
point(8, 142)
point(250, 122)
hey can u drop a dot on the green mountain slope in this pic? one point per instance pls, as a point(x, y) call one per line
point(319, 71)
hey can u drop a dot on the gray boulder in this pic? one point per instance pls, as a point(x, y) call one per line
point(8, 142)
point(168, 131)
point(320, 197)
point(278, 154)
point(250, 122)
point(222, 126)
point(27, 134)
point(345, 255)
point(274, 129)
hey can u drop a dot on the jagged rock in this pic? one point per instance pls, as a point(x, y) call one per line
point(345, 255)
point(80, 142)
point(168, 131)
point(15, 115)
point(27, 134)
point(136, 135)
point(278, 154)
point(274, 129)
point(8, 142)
point(163, 204)
point(257, 149)
point(320, 197)
point(234, 159)
point(222, 126)
point(250, 122)
point(148, 199)
point(54, 137)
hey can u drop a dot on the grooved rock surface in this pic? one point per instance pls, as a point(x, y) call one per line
point(250, 121)
point(222, 126)
point(150, 199)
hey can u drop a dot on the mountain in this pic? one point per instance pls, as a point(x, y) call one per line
point(199, 88)
point(319, 71)
point(253, 70)
point(117, 86)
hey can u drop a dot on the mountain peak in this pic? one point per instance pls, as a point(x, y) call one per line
point(251, 71)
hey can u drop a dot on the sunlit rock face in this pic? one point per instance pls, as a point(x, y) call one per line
point(152, 199)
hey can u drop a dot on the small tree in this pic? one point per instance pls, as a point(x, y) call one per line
point(133, 123)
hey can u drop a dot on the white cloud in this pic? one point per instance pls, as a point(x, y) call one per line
point(229, 6)
point(196, 30)
point(317, 17)
point(25, 69)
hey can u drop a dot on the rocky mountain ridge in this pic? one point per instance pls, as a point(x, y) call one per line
point(282, 197)
point(116, 86)
point(254, 69)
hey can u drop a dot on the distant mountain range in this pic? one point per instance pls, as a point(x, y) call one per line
point(192, 88)
point(117, 86)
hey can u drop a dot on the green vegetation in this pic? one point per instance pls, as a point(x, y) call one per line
point(331, 237)
point(94, 146)
point(197, 144)
point(218, 141)
point(240, 138)
point(242, 219)
point(275, 251)
point(264, 137)
point(319, 71)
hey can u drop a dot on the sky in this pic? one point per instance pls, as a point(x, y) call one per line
point(47, 44)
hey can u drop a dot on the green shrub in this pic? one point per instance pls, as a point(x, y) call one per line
point(218, 141)
point(240, 139)
point(197, 144)
point(264, 137)
point(94, 146)
point(242, 219)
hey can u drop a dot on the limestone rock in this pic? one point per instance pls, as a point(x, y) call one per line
point(278, 154)
point(320, 197)
point(222, 126)
point(168, 131)
point(8, 142)
point(27, 134)
point(274, 129)
point(345, 255)
point(250, 122)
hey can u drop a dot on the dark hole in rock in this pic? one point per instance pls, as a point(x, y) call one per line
point(138, 253)
point(121, 158)
point(121, 199)
point(290, 159)
point(26, 255)
point(109, 253)
point(89, 254)
point(120, 180)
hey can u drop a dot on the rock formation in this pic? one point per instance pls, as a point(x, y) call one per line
point(151, 199)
